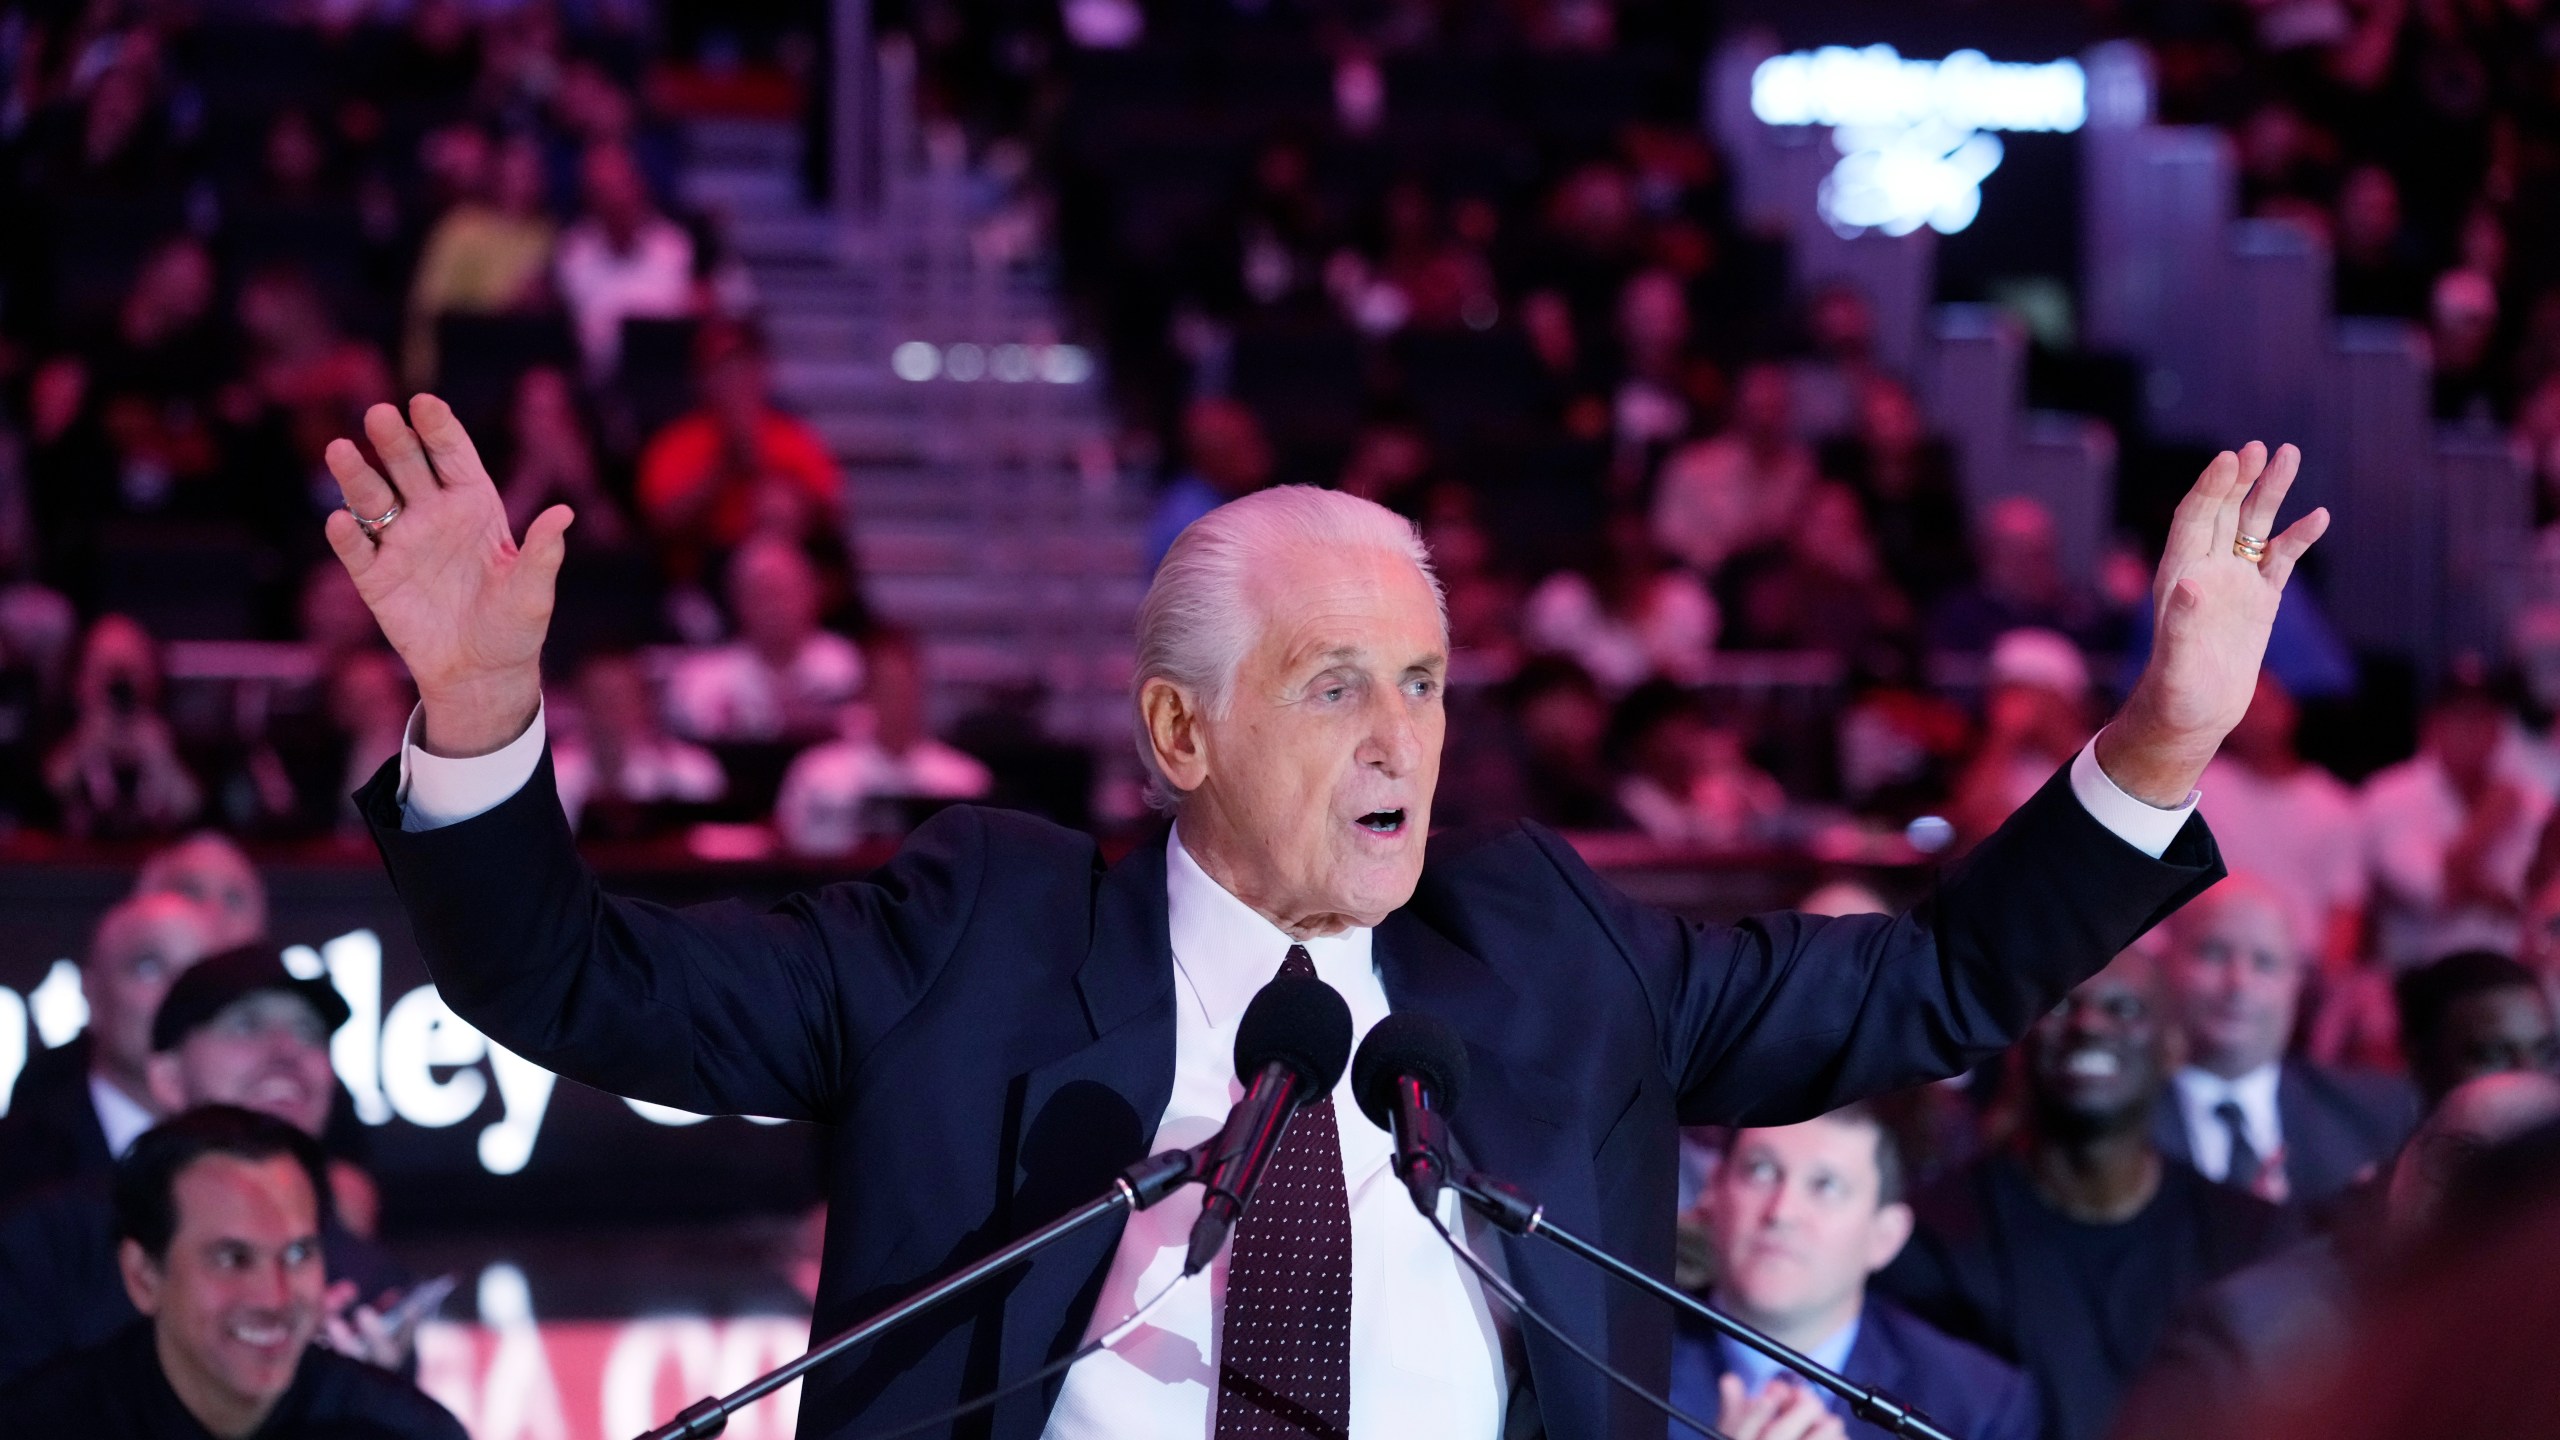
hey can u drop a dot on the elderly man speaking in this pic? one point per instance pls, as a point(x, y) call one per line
point(996, 1021)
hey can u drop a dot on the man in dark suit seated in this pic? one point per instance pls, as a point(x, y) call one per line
point(2266, 1322)
point(996, 1021)
point(2240, 1110)
point(78, 1106)
point(1800, 1216)
point(2070, 1253)
point(217, 1226)
point(236, 1029)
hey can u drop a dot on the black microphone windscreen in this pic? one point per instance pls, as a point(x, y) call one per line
point(1407, 1043)
point(1301, 1022)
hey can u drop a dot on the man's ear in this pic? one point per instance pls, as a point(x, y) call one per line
point(141, 1276)
point(1174, 733)
point(1887, 1234)
point(168, 1091)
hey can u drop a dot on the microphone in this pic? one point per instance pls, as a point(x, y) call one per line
point(1290, 1050)
point(1408, 1078)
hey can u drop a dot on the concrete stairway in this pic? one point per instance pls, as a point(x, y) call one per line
point(988, 511)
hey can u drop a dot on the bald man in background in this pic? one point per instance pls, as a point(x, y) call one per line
point(78, 1105)
point(2240, 1110)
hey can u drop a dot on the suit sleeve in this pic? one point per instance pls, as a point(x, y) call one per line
point(1787, 1016)
point(718, 1008)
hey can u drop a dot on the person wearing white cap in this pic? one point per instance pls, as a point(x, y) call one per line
point(2035, 715)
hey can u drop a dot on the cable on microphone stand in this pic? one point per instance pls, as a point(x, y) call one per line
point(1522, 1308)
point(1094, 1346)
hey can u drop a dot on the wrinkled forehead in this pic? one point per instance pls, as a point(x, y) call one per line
point(1311, 603)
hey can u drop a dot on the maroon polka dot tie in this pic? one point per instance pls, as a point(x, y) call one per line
point(1284, 1361)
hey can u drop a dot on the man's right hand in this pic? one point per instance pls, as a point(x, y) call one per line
point(1783, 1410)
point(464, 605)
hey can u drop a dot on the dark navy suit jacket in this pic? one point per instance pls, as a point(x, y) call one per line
point(987, 1025)
point(1970, 1393)
point(2339, 1126)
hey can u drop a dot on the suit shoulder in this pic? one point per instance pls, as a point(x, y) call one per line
point(1001, 831)
point(345, 1390)
point(1930, 1350)
point(2385, 1095)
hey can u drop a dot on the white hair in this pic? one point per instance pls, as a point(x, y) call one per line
point(1198, 622)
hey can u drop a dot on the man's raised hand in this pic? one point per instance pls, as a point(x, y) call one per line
point(2212, 608)
point(462, 602)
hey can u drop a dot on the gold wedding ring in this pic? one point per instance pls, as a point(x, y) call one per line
point(2249, 548)
point(379, 523)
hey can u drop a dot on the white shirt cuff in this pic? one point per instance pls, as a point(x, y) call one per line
point(436, 791)
point(2138, 823)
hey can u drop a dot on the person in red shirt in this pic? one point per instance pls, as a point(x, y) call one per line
point(737, 465)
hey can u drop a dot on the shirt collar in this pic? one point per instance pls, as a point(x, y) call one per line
point(2200, 1092)
point(1227, 951)
point(121, 1118)
point(1756, 1370)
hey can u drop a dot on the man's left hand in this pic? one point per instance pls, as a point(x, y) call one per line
point(2213, 609)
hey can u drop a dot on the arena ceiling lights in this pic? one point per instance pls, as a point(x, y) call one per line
point(1915, 136)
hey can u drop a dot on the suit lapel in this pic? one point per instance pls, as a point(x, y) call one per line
point(1513, 1125)
point(2169, 1126)
point(1081, 1117)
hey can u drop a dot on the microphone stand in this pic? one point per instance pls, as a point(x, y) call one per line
point(1520, 1215)
point(1135, 1188)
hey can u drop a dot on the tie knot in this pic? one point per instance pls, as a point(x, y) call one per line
point(1299, 963)
point(2230, 1113)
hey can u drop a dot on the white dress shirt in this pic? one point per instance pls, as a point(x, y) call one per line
point(1428, 1357)
point(121, 1118)
point(2201, 1093)
point(1756, 1370)
point(1426, 1352)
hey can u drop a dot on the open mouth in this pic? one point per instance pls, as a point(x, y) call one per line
point(1381, 822)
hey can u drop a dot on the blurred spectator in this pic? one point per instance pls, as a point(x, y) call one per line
point(2021, 584)
point(2035, 717)
point(487, 256)
point(1225, 457)
point(210, 868)
point(2471, 1014)
point(1823, 588)
point(1800, 1216)
point(2265, 1325)
point(235, 1029)
point(619, 773)
point(1745, 487)
point(852, 787)
point(783, 677)
point(1651, 408)
point(2380, 269)
point(1905, 477)
point(2240, 1111)
point(304, 371)
point(1689, 782)
point(621, 260)
point(1564, 727)
point(78, 1105)
point(2290, 822)
point(1390, 463)
point(333, 618)
point(370, 701)
point(738, 466)
point(2449, 832)
point(2470, 386)
point(1630, 619)
point(2071, 1254)
point(217, 1227)
point(117, 773)
point(552, 461)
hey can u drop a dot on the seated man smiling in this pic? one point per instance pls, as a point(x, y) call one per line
point(218, 1225)
point(1799, 1217)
